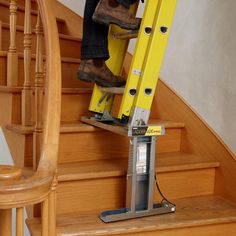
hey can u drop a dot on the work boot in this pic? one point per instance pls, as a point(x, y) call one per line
point(111, 12)
point(95, 70)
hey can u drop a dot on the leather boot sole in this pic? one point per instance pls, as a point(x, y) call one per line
point(89, 77)
point(106, 20)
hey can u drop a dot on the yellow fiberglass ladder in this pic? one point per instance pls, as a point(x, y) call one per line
point(133, 115)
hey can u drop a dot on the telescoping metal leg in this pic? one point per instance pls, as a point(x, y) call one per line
point(140, 184)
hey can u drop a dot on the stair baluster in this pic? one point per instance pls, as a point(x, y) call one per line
point(39, 83)
point(0, 36)
point(12, 56)
point(20, 221)
point(52, 207)
point(27, 91)
point(45, 213)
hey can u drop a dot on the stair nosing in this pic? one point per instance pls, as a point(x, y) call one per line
point(67, 127)
point(121, 172)
point(33, 56)
point(15, 90)
point(61, 35)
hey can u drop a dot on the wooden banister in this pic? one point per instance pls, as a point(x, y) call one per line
point(40, 188)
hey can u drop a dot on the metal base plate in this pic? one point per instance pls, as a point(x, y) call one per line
point(125, 214)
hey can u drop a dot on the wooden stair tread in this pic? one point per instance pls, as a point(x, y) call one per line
point(75, 127)
point(167, 162)
point(9, 89)
point(61, 36)
point(77, 90)
point(33, 56)
point(191, 212)
point(123, 130)
point(67, 127)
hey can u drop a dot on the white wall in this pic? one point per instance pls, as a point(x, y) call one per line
point(200, 60)
point(75, 5)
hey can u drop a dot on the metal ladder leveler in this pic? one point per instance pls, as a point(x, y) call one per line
point(131, 119)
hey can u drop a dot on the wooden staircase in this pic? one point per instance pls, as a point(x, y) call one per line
point(194, 167)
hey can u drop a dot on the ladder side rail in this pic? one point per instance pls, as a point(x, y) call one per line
point(152, 63)
point(117, 50)
point(138, 58)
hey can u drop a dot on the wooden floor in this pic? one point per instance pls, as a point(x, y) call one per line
point(193, 212)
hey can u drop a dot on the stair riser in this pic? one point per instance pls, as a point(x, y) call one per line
point(69, 48)
point(109, 193)
point(71, 110)
point(74, 106)
point(69, 70)
point(13, 113)
point(21, 15)
point(3, 70)
point(106, 145)
point(69, 76)
point(88, 146)
point(228, 229)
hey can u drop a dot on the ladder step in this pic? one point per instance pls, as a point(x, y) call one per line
point(126, 35)
point(114, 90)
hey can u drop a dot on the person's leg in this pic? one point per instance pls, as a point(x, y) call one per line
point(94, 43)
point(94, 51)
point(116, 12)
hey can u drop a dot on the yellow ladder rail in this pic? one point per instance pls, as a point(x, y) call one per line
point(145, 66)
point(117, 49)
point(148, 57)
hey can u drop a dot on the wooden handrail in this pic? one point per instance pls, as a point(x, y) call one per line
point(48, 159)
point(41, 186)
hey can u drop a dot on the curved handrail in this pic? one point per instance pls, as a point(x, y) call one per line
point(40, 183)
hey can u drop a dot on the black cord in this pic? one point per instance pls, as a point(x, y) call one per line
point(163, 197)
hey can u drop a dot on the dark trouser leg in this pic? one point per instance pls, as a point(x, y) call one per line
point(94, 43)
point(126, 3)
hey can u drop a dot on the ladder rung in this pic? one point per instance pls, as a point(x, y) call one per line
point(114, 90)
point(126, 35)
